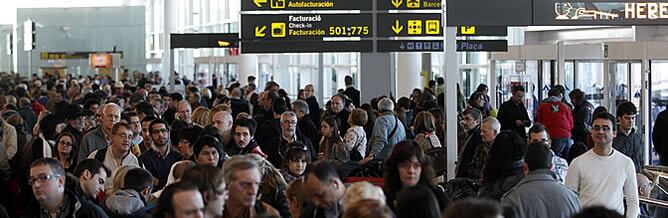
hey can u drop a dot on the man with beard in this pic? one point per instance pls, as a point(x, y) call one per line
point(466, 168)
point(160, 158)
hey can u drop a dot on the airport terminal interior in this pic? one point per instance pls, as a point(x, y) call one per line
point(333, 108)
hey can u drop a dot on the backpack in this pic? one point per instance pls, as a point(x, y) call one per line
point(438, 158)
point(460, 188)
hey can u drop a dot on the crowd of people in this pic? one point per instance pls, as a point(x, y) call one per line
point(95, 147)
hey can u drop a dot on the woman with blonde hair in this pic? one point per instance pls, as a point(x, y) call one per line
point(118, 178)
point(201, 116)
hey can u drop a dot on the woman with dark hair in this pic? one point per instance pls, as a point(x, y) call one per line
point(477, 101)
point(408, 166)
point(296, 158)
point(371, 119)
point(425, 130)
point(504, 165)
point(484, 90)
point(66, 151)
point(331, 144)
point(417, 201)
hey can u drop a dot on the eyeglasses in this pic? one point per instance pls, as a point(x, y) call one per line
point(42, 178)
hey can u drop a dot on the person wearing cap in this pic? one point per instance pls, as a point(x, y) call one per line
point(173, 100)
point(75, 120)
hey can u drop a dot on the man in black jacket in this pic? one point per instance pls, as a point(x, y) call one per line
point(313, 106)
point(465, 164)
point(289, 134)
point(325, 190)
point(582, 112)
point(351, 92)
point(304, 123)
point(513, 114)
point(47, 179)
point(660, 138)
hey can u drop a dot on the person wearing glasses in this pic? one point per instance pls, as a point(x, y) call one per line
point(296, 157)
point(101, 136)
point(132, 199)
point(118, 153)
point(160, 158)
point(289, 134)
point(47, 179)
point(538, 133)
point(604, 176)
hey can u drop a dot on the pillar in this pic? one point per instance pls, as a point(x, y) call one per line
point(452, 76)
point(409, 66)
point(248, 66)
point(169, 19)
point(375, 79)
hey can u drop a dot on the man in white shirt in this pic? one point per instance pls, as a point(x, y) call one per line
point(118, 153)
point(603, 176)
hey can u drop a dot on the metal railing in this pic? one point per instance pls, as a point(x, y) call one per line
point(653, 202)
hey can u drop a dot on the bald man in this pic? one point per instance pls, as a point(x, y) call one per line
point(644, 189)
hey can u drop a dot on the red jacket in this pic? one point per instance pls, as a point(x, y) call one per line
point(556, 116)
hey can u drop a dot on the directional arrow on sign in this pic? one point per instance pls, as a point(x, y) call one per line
point(397, 27)
point(259, 3)
point(259, 31)
point(223, 43)
point(396, 3)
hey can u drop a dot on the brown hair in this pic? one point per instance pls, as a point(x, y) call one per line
point(359, 117)
point(425, 122)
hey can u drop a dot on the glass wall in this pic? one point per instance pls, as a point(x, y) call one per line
point(590, 80)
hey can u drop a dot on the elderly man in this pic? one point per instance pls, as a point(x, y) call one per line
point(324, 191)
point(47, 179)
point(289, 134)
point(222, 121)
point(243, 178)
point(184, 112)
point(101, 136)
point(118, 153)
point(305, 126)
point(387, 131)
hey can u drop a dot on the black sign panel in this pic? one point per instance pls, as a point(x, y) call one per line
point(305, 26)
point(614, 13)
point(489, 12)
point(284, 46)
point(408, 4)
point(204, 40)
point(390, 25)
point(482, 45)
point(72, 55)
point(482, 31)
point(410, 46)
point(295, 5)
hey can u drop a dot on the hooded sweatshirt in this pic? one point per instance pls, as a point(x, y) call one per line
point(124, 202)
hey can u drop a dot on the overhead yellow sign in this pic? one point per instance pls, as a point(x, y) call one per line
point(259, 31)
point(414, 27)
point(278, 30)
point(467, 30)
point(397, 28)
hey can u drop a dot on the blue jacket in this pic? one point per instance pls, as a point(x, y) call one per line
point(381, 145)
